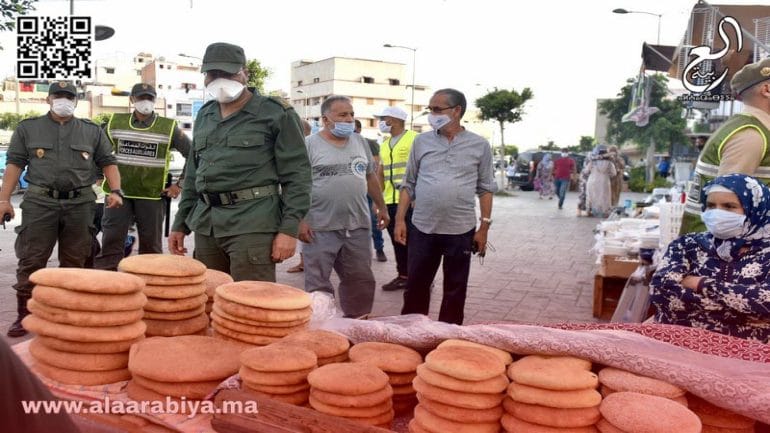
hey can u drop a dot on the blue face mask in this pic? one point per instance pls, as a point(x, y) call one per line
point(723, 224)
point(343, 129)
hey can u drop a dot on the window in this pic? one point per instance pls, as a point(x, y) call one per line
point(169, 106)
point(183, 109)
point(392, 102)
point(394, 81)
point(186, 125)
point(367, 80)
point(299, 83)
point(110, 70)
point(316, 80)
point(160, 86)
point(372, 123)
point(160, 66)
point(369, 101)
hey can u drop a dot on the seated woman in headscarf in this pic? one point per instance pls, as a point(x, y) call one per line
point(720, 279)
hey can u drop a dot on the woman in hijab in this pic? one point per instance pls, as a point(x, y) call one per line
point(544, 177)
point(598, 186)
point(720, 279)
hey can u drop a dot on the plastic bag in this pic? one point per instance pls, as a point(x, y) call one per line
point(324, 307)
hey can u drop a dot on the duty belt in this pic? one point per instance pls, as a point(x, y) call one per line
point(215, 199)
point(56, 194)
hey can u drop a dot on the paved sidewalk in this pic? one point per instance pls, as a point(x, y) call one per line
point(540, 269)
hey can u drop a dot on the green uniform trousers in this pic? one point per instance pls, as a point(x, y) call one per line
point(42, 225)
point(244, 257)
point(116, 222)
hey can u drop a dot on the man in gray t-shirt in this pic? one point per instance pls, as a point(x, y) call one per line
point(336, 229)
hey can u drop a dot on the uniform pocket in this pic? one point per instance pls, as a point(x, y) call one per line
point(260, 256)
point(81, 156)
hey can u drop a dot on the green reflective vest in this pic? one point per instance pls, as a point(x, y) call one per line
point(707, 167)
point(143, 154)
point(394, 164)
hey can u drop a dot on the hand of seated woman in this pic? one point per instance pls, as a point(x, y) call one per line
point(691, 282)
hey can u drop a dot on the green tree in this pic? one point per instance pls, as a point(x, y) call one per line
point(586, 144)
point(665, 128)
point(10, 9)
point(257, 75)
point(504, 106)
point(548, 146)
point(101, 118)
point(10, 121)
point(512, 150)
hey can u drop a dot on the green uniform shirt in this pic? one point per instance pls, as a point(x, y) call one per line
point(260, 145)
point(60, 156)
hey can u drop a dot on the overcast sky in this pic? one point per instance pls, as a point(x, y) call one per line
point(568, 52)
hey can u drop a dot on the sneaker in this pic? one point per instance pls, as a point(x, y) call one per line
point(397, 283)
point(17, 329)
point(381, 257)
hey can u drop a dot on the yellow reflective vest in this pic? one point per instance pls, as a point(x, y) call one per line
point(394, 164)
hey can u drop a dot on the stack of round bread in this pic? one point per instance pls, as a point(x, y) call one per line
point(214, 279)
point(615, 380)
point(357, 391)
point(278, 372)
point(460, 389)
point(85, 321)
point(328, 346)
point(176, 293)
point(259, 312)
point(189, 366)
point(551, 394)
point(398, 362)
point(718, 420)
point(630, 412)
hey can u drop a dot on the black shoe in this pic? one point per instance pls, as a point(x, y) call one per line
point(17, 330)
point(397, 283)
point(381, 257)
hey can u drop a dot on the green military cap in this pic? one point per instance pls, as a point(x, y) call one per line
point(750, 75)
point(140, 89)
point(62, 86)
point(223, 57)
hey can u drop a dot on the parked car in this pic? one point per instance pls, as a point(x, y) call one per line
point(21, 186)
point(526, 164)
point(176, 164)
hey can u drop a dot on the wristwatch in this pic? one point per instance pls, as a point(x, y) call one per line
point(486, 220)
point(118, 192)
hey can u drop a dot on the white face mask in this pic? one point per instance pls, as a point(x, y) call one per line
point(63, 107)
point(723, 224)
point(438, 121)
point(225, 90)
point(384, 127)
point(144, 106)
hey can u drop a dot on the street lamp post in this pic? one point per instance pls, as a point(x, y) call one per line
point(414, 68)
point(304, 102)
point(625, 11)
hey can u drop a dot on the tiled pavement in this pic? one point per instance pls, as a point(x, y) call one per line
point(541, 270)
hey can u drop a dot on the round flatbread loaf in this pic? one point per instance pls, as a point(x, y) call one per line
point(189, 390)
point(259, 340)
point(569, 362)
point(263, 294)
point(631, 411)
point(460, 414)
point(490, 386)
point(348, 378)
point(358, 412)
point(552, 417)
point(278, 389)
point(403, 389)
point(500, 354)
point(173, 328)
point(174, 305)
point(465, 363)
point(716, 416)
point(342, 357)
point(87, 280)
point(137, 392)
point(298, 398)
point(87, 347)
point(275, 358)
point(41, 326)
point(605, 427)
point(383, 419)
point(362, 400)
point(512, 424)
point(84, 318)
point(436, 423)
point(401, 378)
point(274, 378)
point(261, 314)
point(214, 279)
point(545, 373)
point(74, 377)
point(259, 330)
point(85, 301)
point(216, 307)
point(415, 427)
point(621, 380)
point(167, 265)
point(176, 315)
point(175, 292)
point(325, 344)
point(457, 398)
point(243, 344)
point(78, 361)
point(572, 399)
point(189, 358)
point(388, 357)
point(160, 280)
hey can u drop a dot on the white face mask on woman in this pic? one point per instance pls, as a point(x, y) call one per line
point(723, 224)
point(63, 107)
point(225, 90)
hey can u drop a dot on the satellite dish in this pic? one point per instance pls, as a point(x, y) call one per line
point(103, 32)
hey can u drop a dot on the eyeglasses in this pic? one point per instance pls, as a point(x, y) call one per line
point(439, 109)
point(216, 73)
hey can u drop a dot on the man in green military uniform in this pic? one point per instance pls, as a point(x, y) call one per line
point(61, 154)
point(740, 145)
point(142, 141)
point(247, 183)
